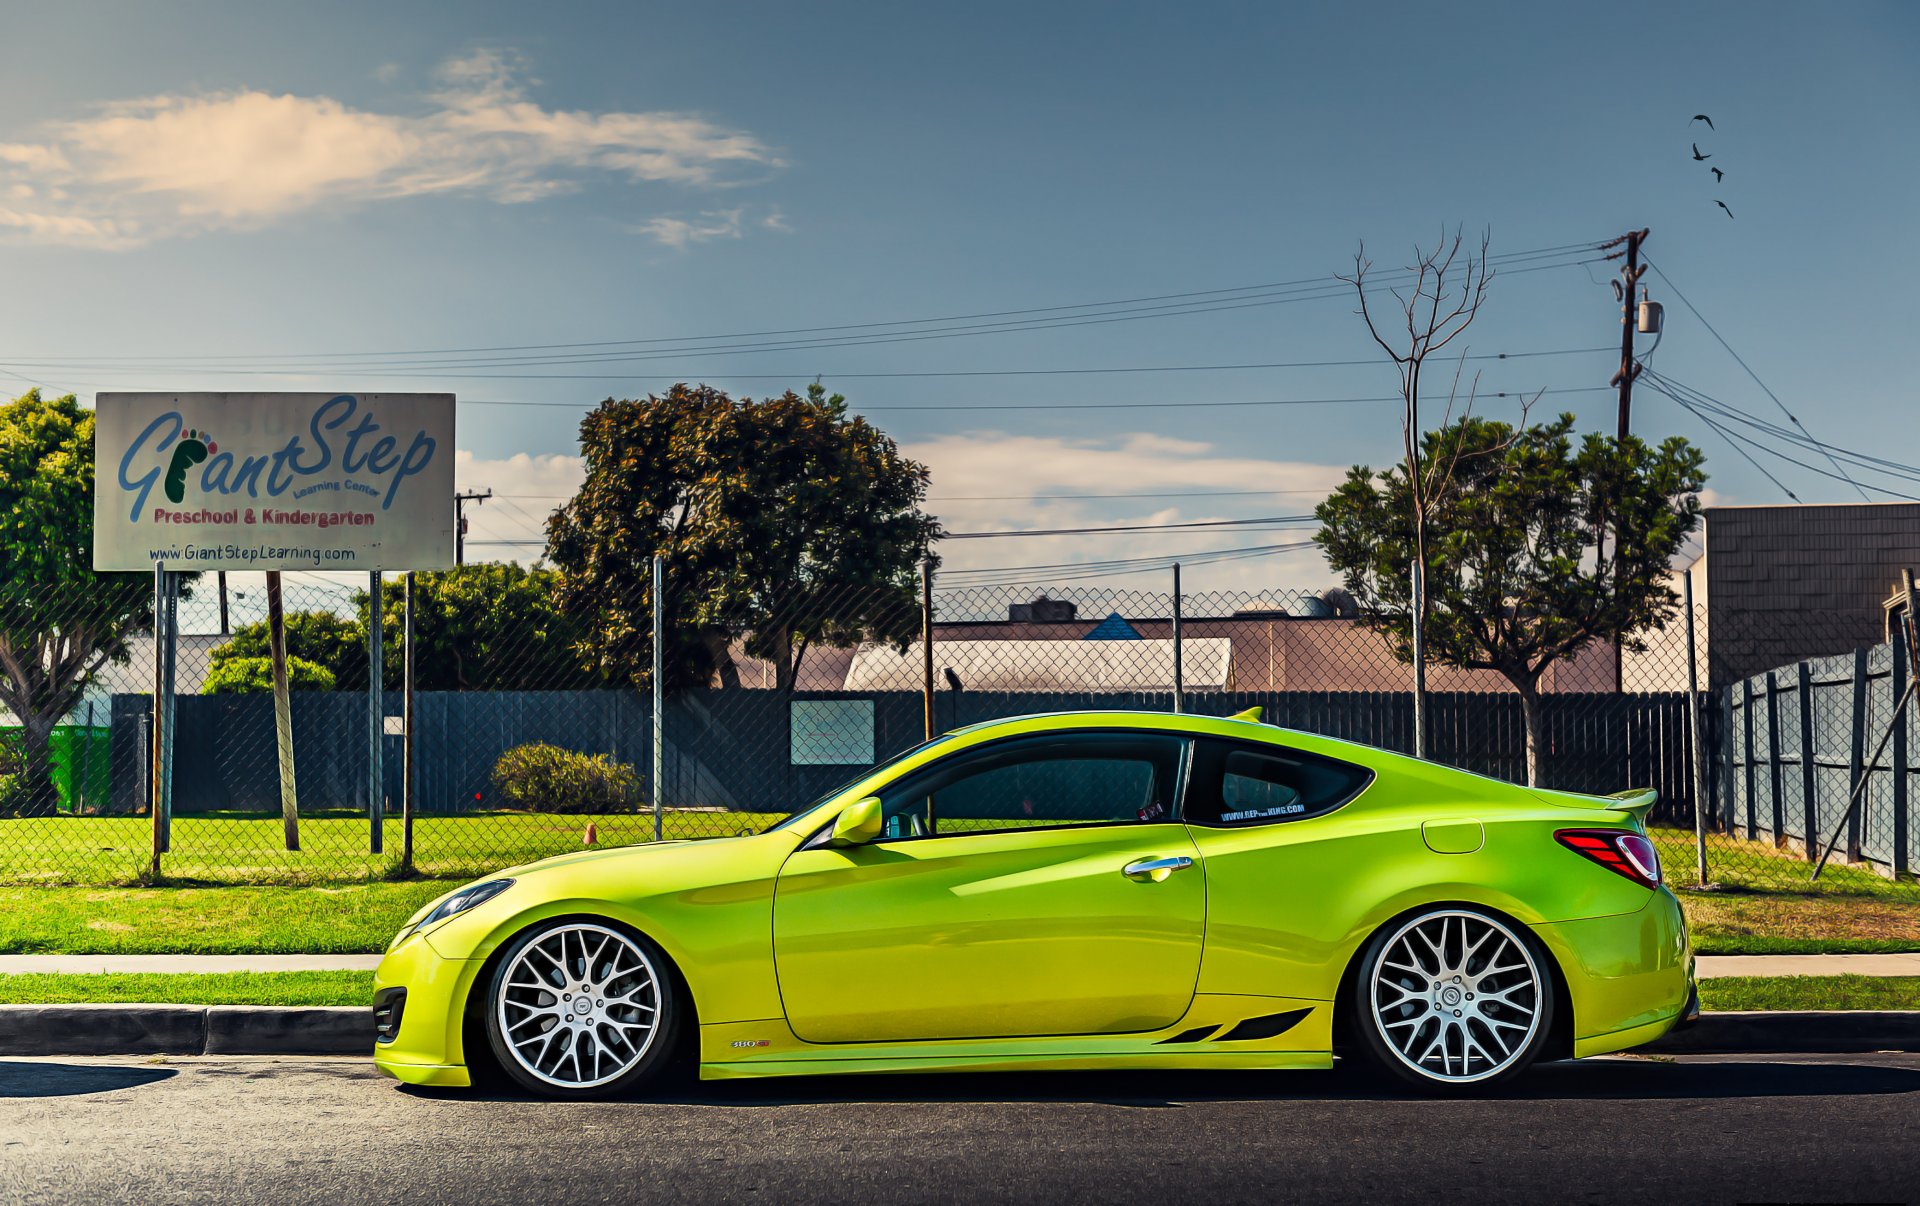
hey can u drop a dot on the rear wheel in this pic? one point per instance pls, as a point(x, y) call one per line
point(581, 1009)
point(1453, 999)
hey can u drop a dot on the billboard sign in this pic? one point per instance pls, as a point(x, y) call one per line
point(273, 481)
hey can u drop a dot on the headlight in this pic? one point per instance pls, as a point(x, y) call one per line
point(462, 900)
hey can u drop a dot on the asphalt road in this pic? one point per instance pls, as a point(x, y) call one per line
point(289, 1131)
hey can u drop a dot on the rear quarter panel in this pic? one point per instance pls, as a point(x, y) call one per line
point(1290, 904)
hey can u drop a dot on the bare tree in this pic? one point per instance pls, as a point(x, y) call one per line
point(1444, 298)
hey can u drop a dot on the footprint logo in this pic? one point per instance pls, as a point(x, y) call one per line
point(186, 454)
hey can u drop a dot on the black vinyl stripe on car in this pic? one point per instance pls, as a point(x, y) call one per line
point(1267, 1026)
point(1191, 1036)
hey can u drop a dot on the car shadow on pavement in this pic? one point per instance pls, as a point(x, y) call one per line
point(1586, 1080)
point(39, 1078)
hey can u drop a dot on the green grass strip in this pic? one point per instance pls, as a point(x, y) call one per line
point(220, 988)
point(355, 919)
point(1811, 992)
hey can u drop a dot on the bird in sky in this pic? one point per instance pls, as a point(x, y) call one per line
point(1718, 175)
point(1702, 117)
point(1723, 205)
point(1697, 156)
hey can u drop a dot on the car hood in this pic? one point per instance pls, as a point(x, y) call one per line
point(587, 856)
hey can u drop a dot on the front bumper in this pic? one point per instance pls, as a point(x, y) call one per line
point(1630, 977)
point(427, 1046)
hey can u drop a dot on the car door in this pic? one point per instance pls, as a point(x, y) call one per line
point(1005, 897)
point(1289, 866)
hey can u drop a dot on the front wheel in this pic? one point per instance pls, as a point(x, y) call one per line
point(581, 1009)
point(1453, 999)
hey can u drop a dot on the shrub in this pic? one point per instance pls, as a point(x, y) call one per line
point(237, 675)
point(545, 778)
point(12, 763)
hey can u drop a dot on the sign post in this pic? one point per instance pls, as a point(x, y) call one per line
point(269, 482)
point(376, 716)
point(282, 710)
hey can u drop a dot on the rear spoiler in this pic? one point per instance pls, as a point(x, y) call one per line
point(1638, 801)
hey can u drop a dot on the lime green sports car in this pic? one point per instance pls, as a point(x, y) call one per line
point(1086, 890)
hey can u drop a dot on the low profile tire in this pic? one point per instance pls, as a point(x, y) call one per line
point(582, 1009)
point(1453, 1000)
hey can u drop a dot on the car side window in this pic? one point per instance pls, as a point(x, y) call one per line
point(1237, 785)
point(1040, 782)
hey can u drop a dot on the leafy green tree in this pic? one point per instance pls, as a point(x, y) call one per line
point(1512, 585)
point(60, 621)
point(245, 675)
point(491, 626)
point(326, 639)
point(784, 523)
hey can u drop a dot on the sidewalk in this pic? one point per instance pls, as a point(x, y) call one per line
point(1710, 966)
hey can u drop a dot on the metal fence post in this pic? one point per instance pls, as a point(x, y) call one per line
point(1857, 753)
point(172, 711)
point(1179, 668)
point(1897, 856)
point(1727, 777)
point(156, 779)
point(926, 643)
point(659, 694)
point(376, 716)
point(1698, 762)
point(1746, 732)
point(1809, 814)
point(282, 712)
point(1773, 760)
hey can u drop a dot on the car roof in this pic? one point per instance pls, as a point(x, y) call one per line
point(1168, 722)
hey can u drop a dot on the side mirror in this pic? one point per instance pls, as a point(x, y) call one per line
point(859, 824)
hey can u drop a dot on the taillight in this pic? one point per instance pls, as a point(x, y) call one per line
point(1618, 850)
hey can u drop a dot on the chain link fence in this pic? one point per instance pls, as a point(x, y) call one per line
point(533, 728)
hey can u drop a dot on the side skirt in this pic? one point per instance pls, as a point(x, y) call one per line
point(1217, 1032)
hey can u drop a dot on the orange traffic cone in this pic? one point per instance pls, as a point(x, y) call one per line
point(592, 836)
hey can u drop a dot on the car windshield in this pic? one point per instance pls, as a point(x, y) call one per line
point(902, 756)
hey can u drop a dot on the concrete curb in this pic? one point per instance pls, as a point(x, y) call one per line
point(1837, 1031)
point(184, 1030)
point(282, 1030)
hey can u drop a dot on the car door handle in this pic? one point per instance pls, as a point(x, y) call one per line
point(1153, 870)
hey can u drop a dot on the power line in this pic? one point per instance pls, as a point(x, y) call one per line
point(1703, 405)
point(452, 368)
point(1317, 282)
point(1046, 372)
point(458, 369)
point(1725, 435)
point(1183, 405)
point(1018, 498)
point(932, 373)
point(1737, 359)
point(1160, 527)
point(1080, 570)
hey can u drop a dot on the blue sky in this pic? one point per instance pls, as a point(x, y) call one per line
point(277, 181)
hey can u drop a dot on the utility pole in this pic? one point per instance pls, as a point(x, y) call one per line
point(460, 502)
point(1627, 288)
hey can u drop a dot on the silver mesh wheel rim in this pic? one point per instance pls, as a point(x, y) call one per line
point(578, 1006)
point(1456, 996)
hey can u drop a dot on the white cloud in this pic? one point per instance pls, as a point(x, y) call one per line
point(527, 487)
point(179, 164)
point(1017, 473)
point(990, 480)
point(679, 232)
